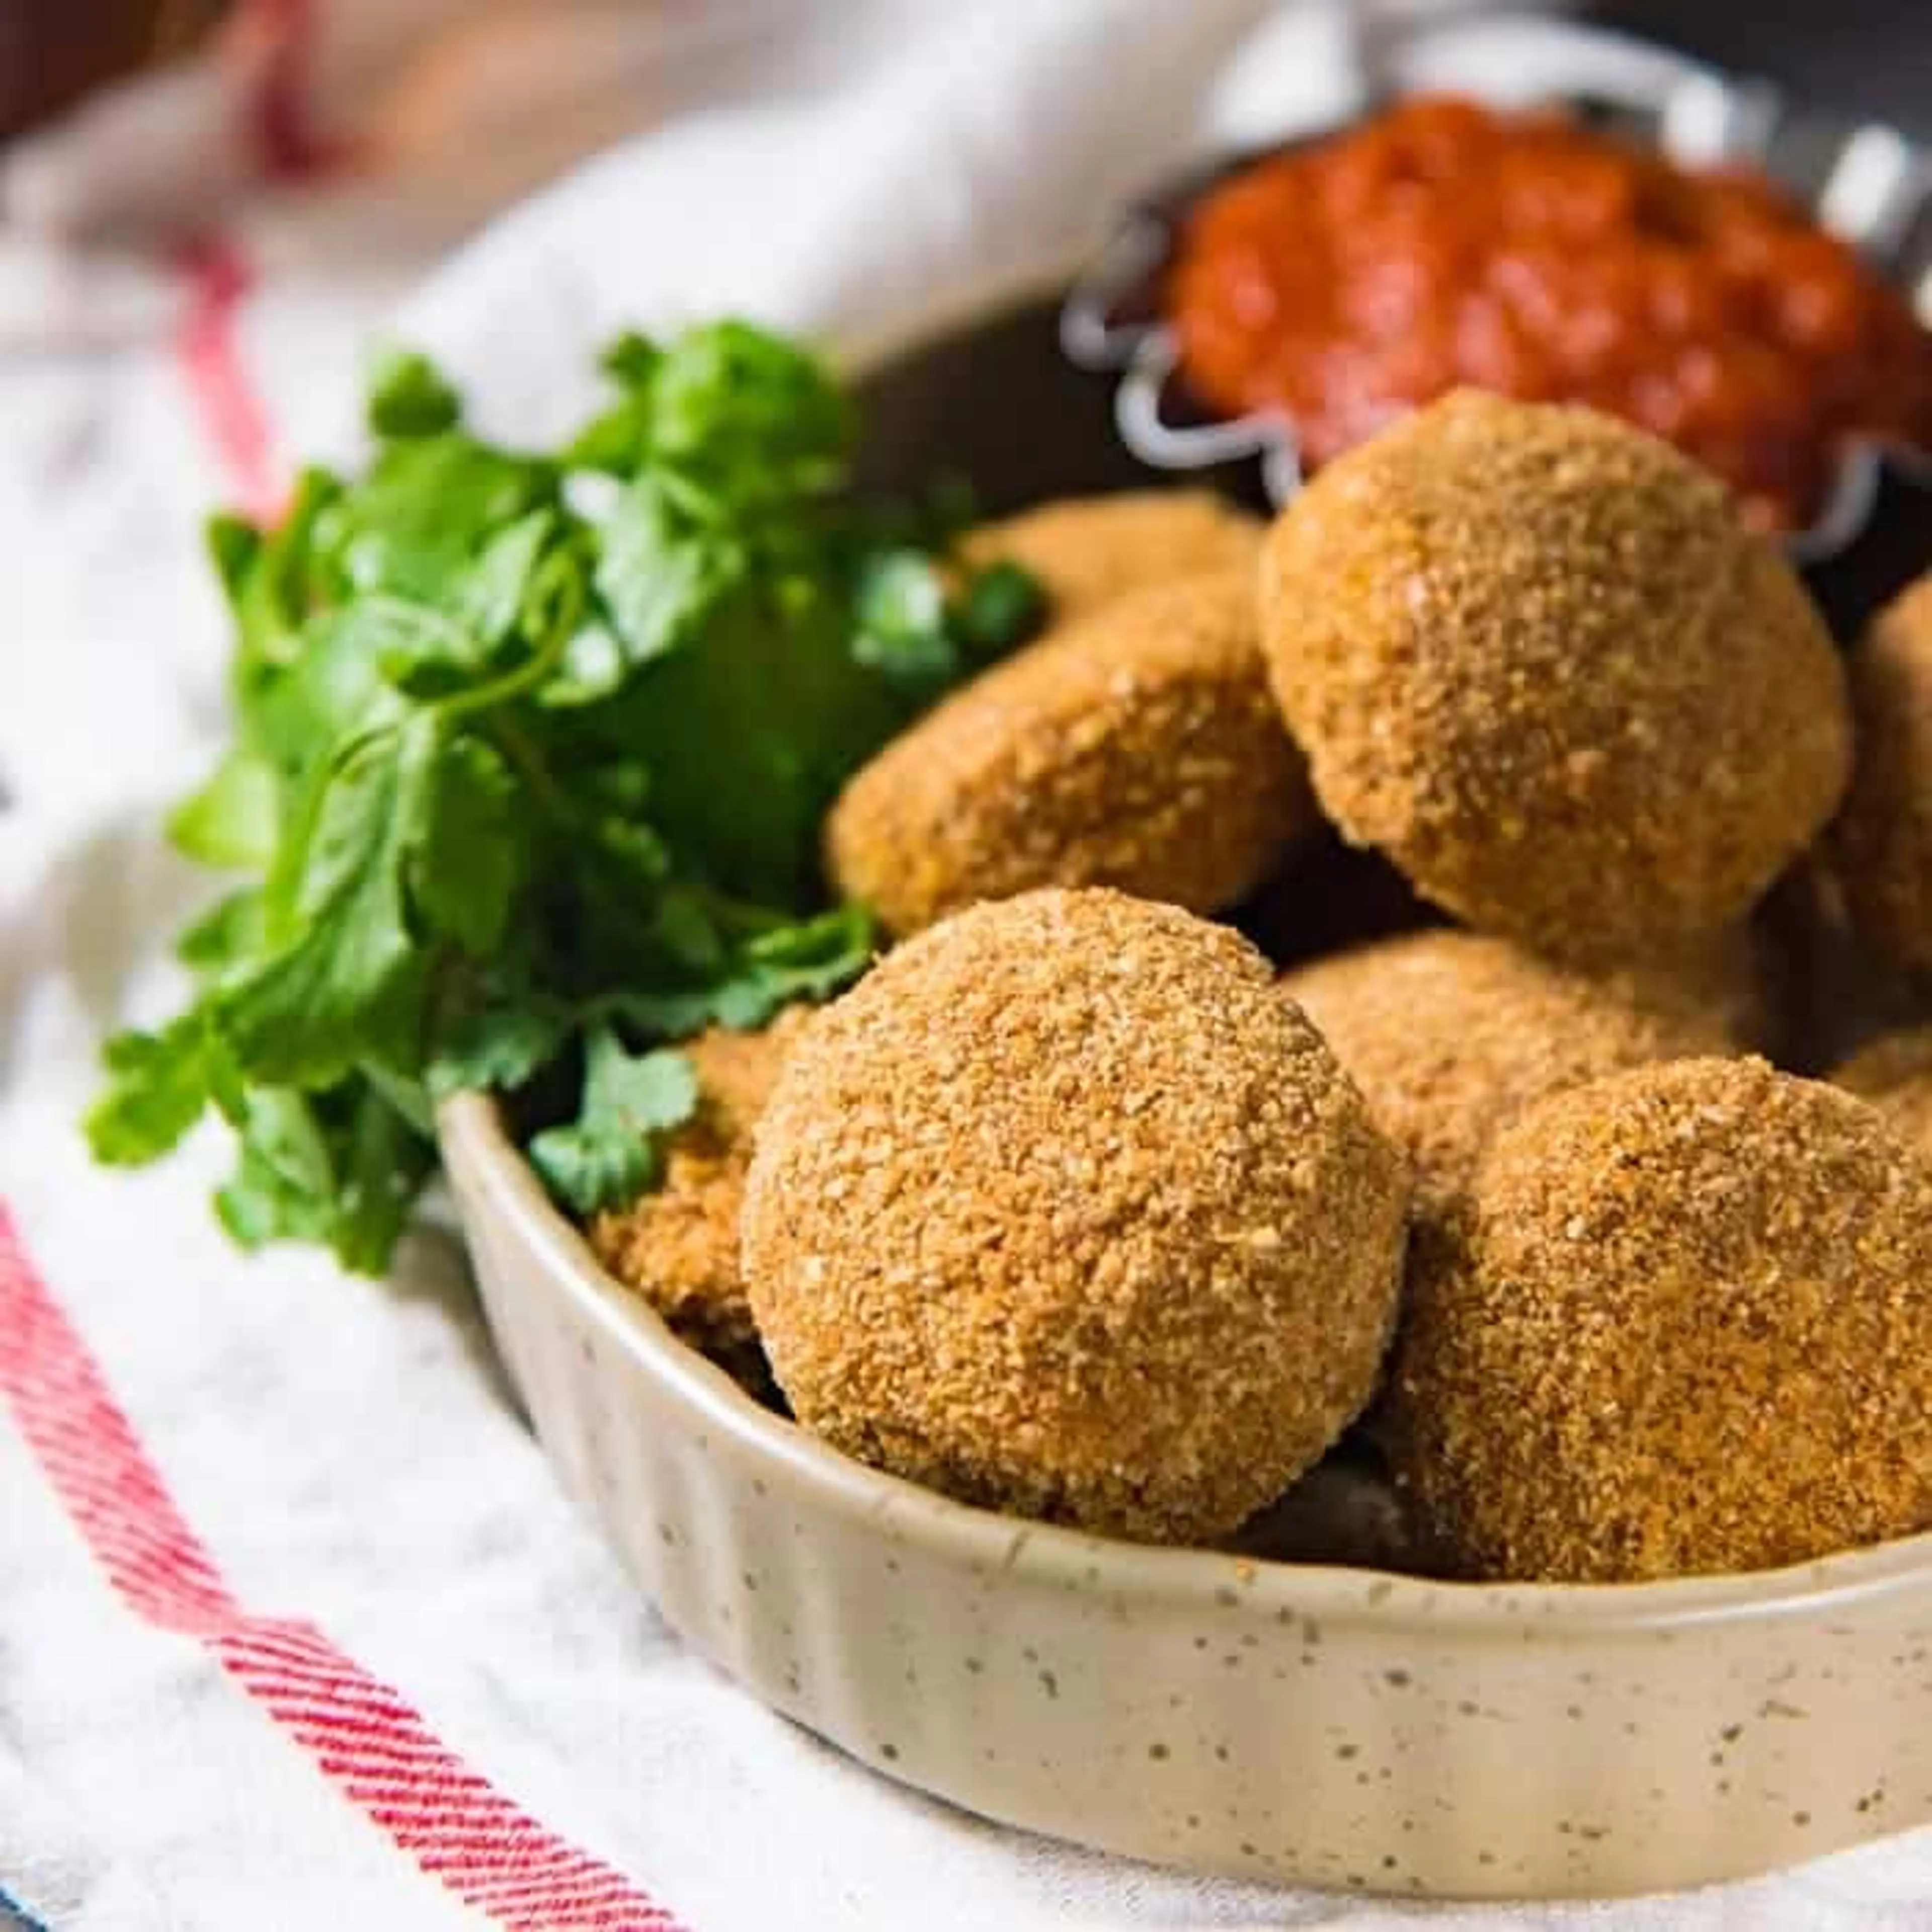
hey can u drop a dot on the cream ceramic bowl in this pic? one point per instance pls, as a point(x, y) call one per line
point(1336, 1727)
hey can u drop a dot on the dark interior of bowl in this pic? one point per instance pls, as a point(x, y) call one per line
point(998, 404)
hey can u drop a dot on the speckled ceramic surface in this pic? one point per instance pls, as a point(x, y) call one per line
point(1344, 1728)
point(1336, 1727)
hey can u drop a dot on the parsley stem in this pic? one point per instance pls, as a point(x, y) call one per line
point(513, 683)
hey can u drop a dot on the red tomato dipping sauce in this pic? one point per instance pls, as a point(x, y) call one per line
point(1442, 243)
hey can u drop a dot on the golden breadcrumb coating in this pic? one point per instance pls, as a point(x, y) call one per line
point(1531, 655)
point(1064, 1210)
point(676, 1245)
point(1450, 1035)
point(1087, 551)
point(1681, 1323)
point(1882, 844)
point(1139, 748)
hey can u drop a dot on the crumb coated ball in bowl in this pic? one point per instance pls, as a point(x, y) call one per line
point(676, 1245)
point(1682, 1323)
point(1087, 551)
point(1882, 844)
point(1064, 1210)
point(1531, 655)
point(1894, 1073)
point(1138, 748)
point(1451, 1035)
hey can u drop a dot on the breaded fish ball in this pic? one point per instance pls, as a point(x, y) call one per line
point(1087, 551)
point(1450, 1035)
point(1894, 1073)
point(1138, 748)
point(1065, 1210)
point(676, 1245)
point(1531, 655)
point(1881, 844)
point(1682, 1323)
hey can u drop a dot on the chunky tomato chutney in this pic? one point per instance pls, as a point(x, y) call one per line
point(1441, 243)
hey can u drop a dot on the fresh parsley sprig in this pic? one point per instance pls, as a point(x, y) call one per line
point(530, 756)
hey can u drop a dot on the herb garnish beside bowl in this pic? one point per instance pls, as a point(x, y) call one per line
point(531, 751)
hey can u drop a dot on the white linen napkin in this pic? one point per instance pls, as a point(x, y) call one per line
point(295, 1631)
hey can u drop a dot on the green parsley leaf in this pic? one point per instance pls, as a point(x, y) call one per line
point(522, 755)
point(232, 932)
point(409, 397)
point(616, 443)
point(1001, 607)
point(343, 1168)
point(810, 960)
point(467, 860)
point(664, 573)
point(631, 360)
point(234, 547)
point(592, 668)
point(295, 716)
point(159, 1084)
point(759, 416)
point(501, 1044)
point(424, 651)
point(491, 598)
point(902, 623)
point(383, 1160)
point(611, 1153)
point(284, 1183)
point(271, 581)
point(233, 820)
point(346, 984)
point(749, 739)
point(412, 525)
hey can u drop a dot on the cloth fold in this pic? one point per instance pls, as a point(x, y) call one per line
point(295, 1630)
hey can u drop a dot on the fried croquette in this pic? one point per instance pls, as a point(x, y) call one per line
point(1894, 1073)
point(1138, 748)
point(676, 1245)
point(1682, 1323)
point(1065, 1210)
point(1450, 1035)
point(1087, 551)
point(1881, 846)
point(1531, 655)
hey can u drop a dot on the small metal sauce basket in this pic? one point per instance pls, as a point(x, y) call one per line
point(1865, 182)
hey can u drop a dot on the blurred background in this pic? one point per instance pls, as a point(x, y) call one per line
point(1867, 56)
point(53, 52)
point(130, 119)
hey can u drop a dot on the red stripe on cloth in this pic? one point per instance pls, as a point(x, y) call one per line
point(219, 279)
point(288, 146)
point(362, 1734)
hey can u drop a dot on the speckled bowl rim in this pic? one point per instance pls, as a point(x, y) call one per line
point(1502, 1612)
point(473, 1125)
